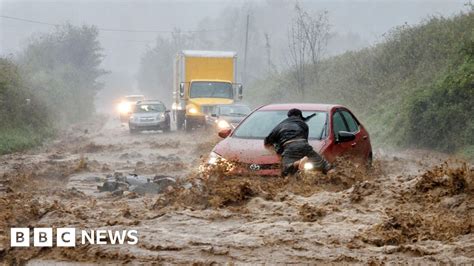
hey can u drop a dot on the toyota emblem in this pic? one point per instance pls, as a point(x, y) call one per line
point(254, 167)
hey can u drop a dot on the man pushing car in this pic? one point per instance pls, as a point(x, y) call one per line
point(290, 141)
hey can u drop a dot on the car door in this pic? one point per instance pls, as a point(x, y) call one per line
point(335, 149)
point(359, 149)
point(362, 143)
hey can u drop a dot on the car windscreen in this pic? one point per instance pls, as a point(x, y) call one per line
point(200, 89)
point(259, 124)
point(149, 108)
point(234, 110)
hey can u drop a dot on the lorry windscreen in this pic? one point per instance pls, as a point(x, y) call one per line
point(204, 89)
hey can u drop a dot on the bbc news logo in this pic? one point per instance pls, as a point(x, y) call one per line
point(66, 237)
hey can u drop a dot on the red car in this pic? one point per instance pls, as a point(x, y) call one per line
point(333, 132)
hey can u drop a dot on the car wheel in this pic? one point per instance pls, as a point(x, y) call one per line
point(167, 127)
point(369, 161)
point(180, 120)
point(187, 125)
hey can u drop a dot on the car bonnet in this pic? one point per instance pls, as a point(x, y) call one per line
point(251, 150)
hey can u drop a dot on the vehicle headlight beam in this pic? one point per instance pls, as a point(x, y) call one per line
point(222, 124)
point(308, 166)
point(193, 110)
point(213, 158)
point(124, 107)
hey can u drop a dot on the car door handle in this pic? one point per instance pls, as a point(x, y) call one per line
point(353, 144)
point(364, 137)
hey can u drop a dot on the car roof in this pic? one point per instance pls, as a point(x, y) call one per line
point(134, 95)
point(301, 106)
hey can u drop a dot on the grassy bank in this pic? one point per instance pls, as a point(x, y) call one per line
point(18, 139)
point(414, 89)
point(24, 118)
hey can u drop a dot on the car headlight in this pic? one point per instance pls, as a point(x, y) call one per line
point(222, 124)
point(124, 107)
point(213, 158)
point(308, 166)
point(160, 117)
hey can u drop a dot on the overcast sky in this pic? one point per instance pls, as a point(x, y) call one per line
point(369, 19)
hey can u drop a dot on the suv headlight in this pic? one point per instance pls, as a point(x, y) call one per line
point(124, 107)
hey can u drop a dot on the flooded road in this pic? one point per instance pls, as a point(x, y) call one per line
point(412, 207)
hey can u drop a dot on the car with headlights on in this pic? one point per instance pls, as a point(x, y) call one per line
point(149, 115)
point(333, 132)
point(126, 104)
point(227, 115)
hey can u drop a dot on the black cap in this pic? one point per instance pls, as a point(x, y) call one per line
point(295, 112)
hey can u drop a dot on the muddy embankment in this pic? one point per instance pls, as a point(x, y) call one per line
point(413, 206)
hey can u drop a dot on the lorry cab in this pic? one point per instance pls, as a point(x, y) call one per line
point(203, 79)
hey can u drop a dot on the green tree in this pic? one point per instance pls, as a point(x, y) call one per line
point(413, 89)
point(155, 75)
point(63, 67)
point(441, 115)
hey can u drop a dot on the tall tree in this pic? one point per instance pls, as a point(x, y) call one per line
point(64, 67)
point(307, 42)
point(155, 75)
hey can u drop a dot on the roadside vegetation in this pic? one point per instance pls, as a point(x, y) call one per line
point(52, 83)
point(25, 121)
point(415, 89)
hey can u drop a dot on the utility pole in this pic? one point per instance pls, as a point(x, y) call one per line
point(244, 76)
point(268, 49)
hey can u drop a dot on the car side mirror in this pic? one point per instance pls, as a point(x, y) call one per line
point(344, 136)
point(181, 89)
point(224, 133)
point(213, 115)
point(240, 91)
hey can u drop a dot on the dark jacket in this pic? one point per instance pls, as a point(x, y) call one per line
point(292, 128)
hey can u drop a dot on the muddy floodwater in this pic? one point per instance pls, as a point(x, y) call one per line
point(412, 207)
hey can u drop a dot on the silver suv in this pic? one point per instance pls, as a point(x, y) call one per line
point(149, 115)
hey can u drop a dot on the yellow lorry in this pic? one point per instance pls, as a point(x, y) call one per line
point(202, 80)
